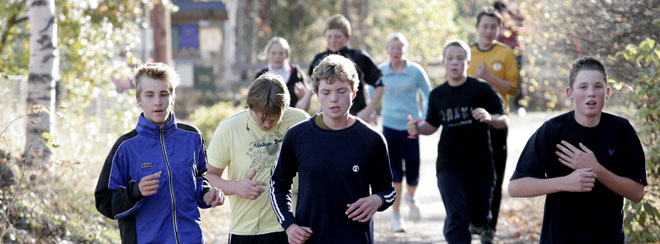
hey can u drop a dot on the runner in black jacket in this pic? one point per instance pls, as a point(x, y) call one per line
point(337, 35)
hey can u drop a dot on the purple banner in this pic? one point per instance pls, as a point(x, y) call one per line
point(189, 36)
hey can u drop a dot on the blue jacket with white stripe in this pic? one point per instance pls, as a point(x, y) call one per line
point(171, 215)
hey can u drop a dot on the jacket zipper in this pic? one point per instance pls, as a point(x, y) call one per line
point(169, 170)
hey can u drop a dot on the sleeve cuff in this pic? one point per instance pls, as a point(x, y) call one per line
point(134, 191)
point(206, 187)
point(287, 223)
point(383, 204)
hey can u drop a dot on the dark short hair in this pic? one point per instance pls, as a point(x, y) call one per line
point(499, 5)
point(339, 22)
point(586, 63)
point(490, 12)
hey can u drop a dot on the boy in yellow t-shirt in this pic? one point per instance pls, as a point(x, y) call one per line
point(494, 62)
point(247, 144)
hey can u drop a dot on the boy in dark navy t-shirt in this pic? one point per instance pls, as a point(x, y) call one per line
point(585, 161)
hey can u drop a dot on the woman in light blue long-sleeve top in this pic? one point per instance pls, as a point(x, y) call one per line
point(404, 82)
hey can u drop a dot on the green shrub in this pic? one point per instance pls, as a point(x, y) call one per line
point(642, 222)
point(206, 119)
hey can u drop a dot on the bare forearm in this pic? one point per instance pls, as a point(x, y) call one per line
point(425, 128)
point(532, 187)
point(304, 102)
point(620, 185)
point(499, 121)
point(216, 180)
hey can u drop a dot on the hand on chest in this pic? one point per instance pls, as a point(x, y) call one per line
point(587, 152)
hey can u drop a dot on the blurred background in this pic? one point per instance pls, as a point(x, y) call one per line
point(214, 45)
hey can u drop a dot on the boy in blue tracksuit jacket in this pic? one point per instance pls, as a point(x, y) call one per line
point(153, 181)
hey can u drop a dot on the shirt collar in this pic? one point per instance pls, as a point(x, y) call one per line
point(285, 67)
point(147, 127)
point(389, 71)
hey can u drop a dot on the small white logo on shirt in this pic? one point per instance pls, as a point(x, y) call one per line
point(356, 168)
point(497, 66)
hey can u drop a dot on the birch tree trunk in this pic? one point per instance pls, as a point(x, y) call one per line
point(44, 63)
point(229, 43)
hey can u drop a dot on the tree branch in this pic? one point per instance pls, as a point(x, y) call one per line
point(13, 20)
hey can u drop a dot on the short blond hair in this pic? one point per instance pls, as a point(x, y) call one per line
point(335, 67)
point(397, 36)
point(457, 43)
point(275, 40)
point(156, 71)
point(268, 95)
point(339, 22)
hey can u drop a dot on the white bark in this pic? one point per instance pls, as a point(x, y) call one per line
point(229, 43)
point(254, 14)
point(44, 64)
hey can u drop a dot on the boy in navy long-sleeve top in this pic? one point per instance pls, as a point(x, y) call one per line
point(342, 165)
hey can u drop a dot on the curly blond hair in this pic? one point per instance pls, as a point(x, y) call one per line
point(335, 67)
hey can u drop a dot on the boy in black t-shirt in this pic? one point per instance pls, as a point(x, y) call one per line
point(585, 161)
point(465, 107)
point(337, 35)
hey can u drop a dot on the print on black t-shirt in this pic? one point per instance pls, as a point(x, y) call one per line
point(464, 142)
point(457, 116)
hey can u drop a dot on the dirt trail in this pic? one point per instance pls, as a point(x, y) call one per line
point(429, 228)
